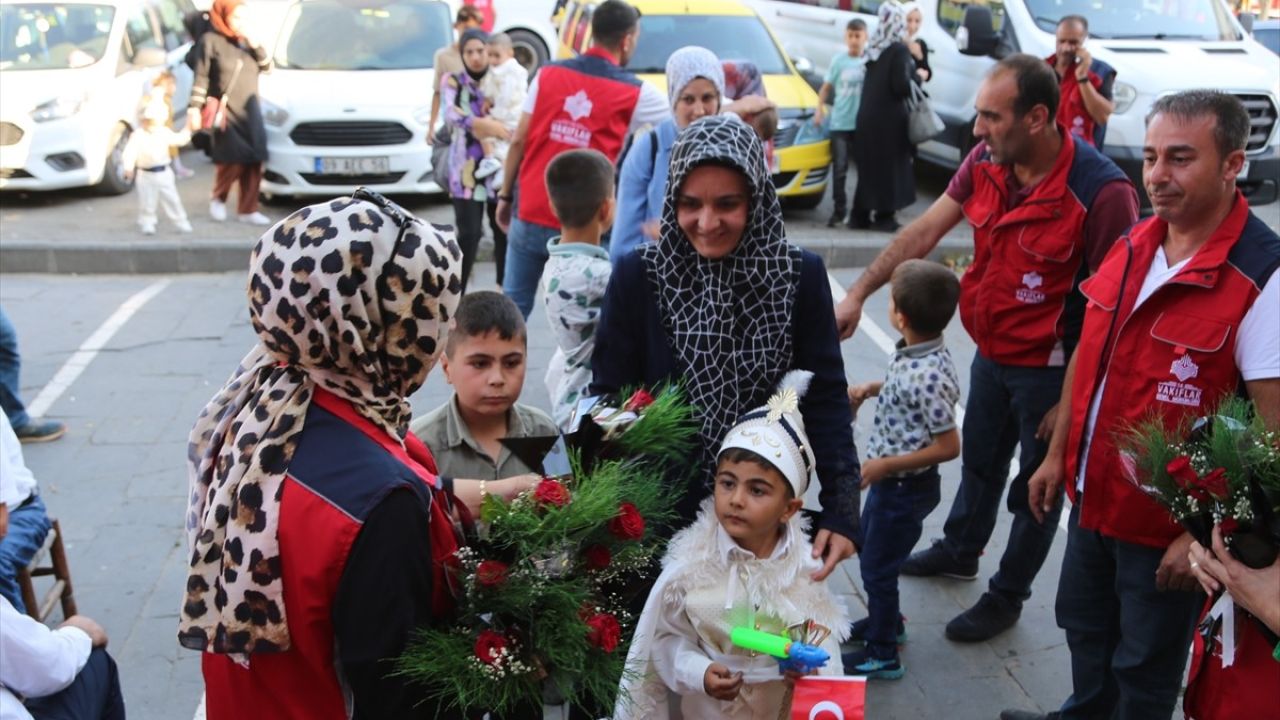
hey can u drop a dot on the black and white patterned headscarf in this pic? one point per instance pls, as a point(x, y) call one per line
point(890, 28)
point(728, 320)
point(344, 295)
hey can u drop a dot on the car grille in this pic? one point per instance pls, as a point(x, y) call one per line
point(786, 136)
point(783, 179)
point(1262, 120)
point(350, 133)
point(353, 180)
point(10, 134)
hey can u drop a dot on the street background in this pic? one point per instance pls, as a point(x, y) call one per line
point(117, 480)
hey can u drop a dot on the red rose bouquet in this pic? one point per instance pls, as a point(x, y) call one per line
point(542, 607)
point(1223, 469)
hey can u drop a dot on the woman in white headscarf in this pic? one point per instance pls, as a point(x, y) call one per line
point(696, 87)
point(886, 182)
point(915, 44)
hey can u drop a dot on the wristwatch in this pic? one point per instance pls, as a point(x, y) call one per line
point(1080, 78)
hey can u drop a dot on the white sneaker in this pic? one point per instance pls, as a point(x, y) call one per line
point(217, 210)
point(488, 166)
point(148, 229)
point(184, 226)
point(255, 218)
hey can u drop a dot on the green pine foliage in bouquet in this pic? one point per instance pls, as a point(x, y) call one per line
point(1222, 469)
point(541, 595)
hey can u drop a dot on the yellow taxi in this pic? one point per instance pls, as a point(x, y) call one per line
point(733, 32)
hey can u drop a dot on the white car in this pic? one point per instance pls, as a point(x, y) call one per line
point(348, 99)
point(71, 78)
point(1156, 49)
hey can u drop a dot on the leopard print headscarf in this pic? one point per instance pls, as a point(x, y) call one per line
point(337, 303)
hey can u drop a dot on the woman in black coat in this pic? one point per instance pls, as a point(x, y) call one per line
point(227, 67)
point(886, 182)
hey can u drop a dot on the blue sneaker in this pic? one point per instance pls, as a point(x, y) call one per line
point(858, 631)
point(860, 662)
point(38, 431)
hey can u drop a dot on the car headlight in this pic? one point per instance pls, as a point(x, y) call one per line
point(1123, 95)
point(422, 115)
point(58, 108)
point(273, 114)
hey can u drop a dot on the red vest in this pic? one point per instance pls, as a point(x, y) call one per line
point(1174, 354)
point(1018, 299)
point(320, 516)
point(1250, 688)
point(1072, 113)
point(586, 102)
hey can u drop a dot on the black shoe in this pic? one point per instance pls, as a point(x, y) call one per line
point(991, 616)
point(1028, 715)
point(886, 223)
point(858, 631)
point(936, 560)
point(38, 431)
point(834, 220)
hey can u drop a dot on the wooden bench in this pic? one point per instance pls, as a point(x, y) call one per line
point(57, 567)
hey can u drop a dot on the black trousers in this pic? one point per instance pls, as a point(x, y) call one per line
point(469, 217)
point(93, 695)
point(841, 161)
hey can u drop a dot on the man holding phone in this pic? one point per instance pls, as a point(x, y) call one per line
point(1085, 83)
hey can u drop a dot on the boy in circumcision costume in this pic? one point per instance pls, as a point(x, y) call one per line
point(745, 562)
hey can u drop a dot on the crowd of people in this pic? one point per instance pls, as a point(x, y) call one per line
point(321, 519)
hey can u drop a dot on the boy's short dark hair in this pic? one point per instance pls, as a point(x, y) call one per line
point(743, 455)
point(856, 24)
point(612, 21)
point(926, 293)
point(468, 14)
point(483, 312)
point(578, 183)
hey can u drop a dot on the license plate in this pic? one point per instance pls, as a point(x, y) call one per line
point(353, 166)
point(1244, 171)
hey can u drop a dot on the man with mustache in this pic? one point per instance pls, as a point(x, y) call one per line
point(1186, 310)
point(1045, 207)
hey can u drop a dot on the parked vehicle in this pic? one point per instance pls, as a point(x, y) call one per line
point(349, 97)
point(528, 22)
point(733, 31)
point(1267, 33)
point(71, 78)
point(1156, 48)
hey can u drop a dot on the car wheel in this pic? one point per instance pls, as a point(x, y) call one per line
point(529, 49)
point(802, 202)
point(113, 179)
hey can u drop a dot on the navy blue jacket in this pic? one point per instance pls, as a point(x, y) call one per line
point(632, 349)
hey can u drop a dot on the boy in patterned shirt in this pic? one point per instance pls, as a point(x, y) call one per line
point(580, 186)
point(914, 430)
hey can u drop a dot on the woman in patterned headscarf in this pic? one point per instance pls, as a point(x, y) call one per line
point(314, 531)
point(886, 181)
point(725, 305)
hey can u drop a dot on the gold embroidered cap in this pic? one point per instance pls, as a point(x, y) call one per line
point(776, 432)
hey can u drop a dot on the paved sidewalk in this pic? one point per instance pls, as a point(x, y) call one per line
point(77, 231)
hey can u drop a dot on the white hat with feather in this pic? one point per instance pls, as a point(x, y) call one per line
point(776, 432)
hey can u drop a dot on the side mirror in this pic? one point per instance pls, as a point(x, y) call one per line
point(1246, 22)
point(150, 57)
point(977, 33)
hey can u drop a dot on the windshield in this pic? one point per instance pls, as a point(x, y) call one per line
point(346, 35)
point(1140, 19)
point(729, 37)
point(53, 37)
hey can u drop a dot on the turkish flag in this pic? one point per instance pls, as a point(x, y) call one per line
point(829, 698)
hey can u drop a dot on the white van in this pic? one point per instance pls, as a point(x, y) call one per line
point(71, 77)
point(1155, 51)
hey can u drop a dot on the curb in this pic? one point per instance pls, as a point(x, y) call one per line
point(195, 256)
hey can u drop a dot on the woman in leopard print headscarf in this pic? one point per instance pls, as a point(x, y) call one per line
point(724, 304)
point(310, 519)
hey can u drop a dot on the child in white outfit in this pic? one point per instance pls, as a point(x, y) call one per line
point(504, 88)
point(147, 158)
point(745, 562)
